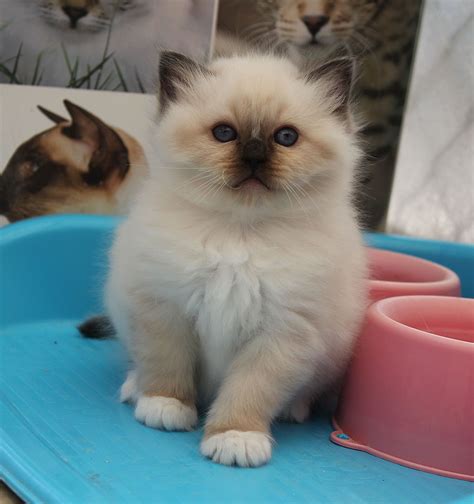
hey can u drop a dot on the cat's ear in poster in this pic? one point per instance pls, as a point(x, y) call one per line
point(84, 125)
point(177, 74)
point(109, 155)
point(57, 119)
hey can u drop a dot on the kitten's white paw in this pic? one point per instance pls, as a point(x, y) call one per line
point(245, 449)
point(165, 413)
point(128, 391)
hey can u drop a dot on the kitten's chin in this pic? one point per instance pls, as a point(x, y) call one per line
point(251, 184)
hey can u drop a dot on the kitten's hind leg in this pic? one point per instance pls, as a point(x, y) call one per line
point(129, 389)
point(298, 410)
point(164, 351)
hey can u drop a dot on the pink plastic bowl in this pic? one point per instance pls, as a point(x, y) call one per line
point(409, 392)
point(393, 274)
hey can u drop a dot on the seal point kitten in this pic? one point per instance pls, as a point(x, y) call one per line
point(238, 280)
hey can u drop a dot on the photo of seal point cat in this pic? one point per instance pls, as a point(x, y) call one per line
point(80, 165)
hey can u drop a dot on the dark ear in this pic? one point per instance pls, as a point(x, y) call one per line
point(176, 73)
point(51, 115)
point(84, 125)
point(109, 153)
point(339, 76)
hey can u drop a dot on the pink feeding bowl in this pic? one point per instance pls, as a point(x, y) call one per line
point(409, 392)
point(393, 274)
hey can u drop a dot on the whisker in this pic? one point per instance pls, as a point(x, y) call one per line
point(202, 192)
point(217, 190)
point(208, 187)
point(224, 181)
point(265, 38)
point(287, 194)
point(255, 33)
point(162, 167)
point(256, 26)
point(306, 194)
point(204, 177)
point(291, 187)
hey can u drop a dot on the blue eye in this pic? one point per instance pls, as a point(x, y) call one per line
point(224, 133)
point(286, 136)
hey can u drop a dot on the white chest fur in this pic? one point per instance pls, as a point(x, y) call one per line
point(230, 282)
point(224, 301)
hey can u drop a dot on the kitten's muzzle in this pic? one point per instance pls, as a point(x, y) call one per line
point(251, 179)
point(253, 156)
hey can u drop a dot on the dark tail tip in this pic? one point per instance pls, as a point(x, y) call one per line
point(99, 327)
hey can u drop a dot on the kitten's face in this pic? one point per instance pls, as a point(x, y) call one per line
point(324, 23)
point(88, 15)
point(249, 132)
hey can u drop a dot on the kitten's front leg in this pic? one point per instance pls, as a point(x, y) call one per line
point(164, 351)
point(265, 375)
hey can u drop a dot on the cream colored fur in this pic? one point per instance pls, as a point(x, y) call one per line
point(248, 300)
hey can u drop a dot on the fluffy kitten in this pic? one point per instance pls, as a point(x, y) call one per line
point(238, 279)
point(45, 28)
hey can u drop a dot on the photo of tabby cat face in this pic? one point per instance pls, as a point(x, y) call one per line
point(317, 24)
point(80, 165)
point(89, 15)
point(321, 22)
point(98, 44)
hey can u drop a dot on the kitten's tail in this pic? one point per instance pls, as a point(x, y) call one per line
point(98, 327)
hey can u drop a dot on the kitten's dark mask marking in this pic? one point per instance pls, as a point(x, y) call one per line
point(254, 156)
point(253, 151)
point(42, 176)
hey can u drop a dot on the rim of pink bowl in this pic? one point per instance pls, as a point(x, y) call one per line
point(447, 277)
point(350, 443)
point(377, 310)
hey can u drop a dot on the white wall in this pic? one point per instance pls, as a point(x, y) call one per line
point(433, 192)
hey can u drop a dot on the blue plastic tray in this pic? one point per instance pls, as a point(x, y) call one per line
point(66, 438)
